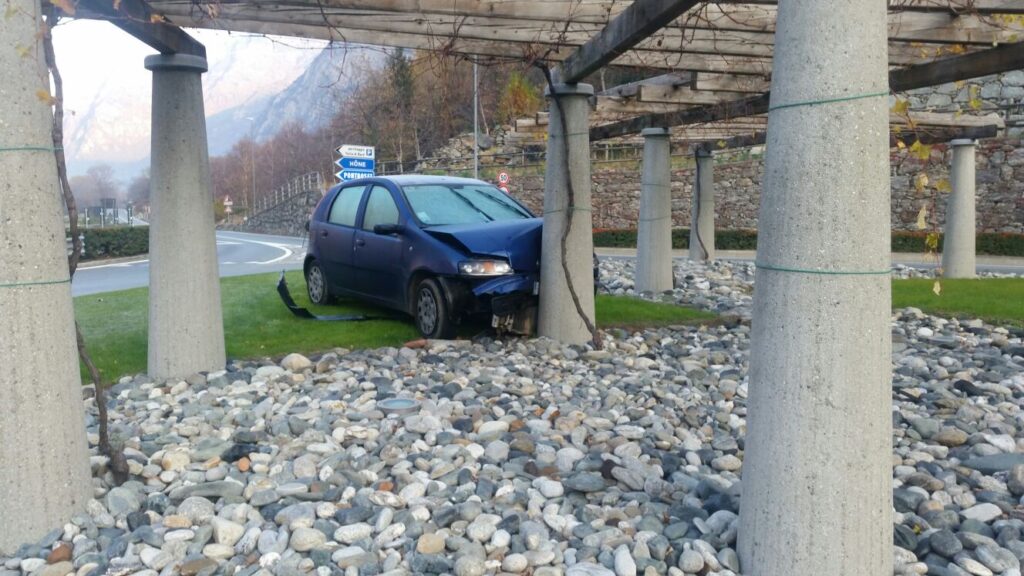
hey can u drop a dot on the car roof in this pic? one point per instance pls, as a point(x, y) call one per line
point(414, 179)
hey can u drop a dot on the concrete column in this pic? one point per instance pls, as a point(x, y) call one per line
point(44, 460)
point(817, 473)
point(559, 318)
point(654, 230)
point(186, 329)
point(702, 214)
point(958, 246)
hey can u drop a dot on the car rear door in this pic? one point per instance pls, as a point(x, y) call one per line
point(379, 257)
point(337, 238)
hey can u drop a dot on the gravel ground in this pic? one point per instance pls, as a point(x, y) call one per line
point(528, 457)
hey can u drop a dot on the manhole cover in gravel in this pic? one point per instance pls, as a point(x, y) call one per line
point(399, 406)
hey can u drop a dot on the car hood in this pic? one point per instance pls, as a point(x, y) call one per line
point(518, 241)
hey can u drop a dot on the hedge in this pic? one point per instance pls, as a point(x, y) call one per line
point(115, 242)
point(994, 244)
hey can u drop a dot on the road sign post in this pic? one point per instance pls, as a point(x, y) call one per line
point(503, 181)
point(355, 162)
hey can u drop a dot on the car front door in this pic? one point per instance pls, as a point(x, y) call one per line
point(379, 257)
point(337, 239)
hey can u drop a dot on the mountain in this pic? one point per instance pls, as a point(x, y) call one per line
point(107, 89)
point(312, 99)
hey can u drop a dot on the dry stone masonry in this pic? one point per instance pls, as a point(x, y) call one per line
point(738, 180)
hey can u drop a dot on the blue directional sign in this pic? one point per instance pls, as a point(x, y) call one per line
point(346, 175)
point(361, 164)
point(355, 162)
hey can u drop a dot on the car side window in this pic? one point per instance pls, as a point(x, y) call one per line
point(380, 208)
point(346, 206)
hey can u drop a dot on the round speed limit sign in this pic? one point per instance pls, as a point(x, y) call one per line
point(503, 178)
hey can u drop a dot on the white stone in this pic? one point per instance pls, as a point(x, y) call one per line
point(624, 563)
point(226, 532)
point(353, 533)
point(549, 488)
point(295, 362)
point(985, 512)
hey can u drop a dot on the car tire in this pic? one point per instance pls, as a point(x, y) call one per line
point(433, 318)
point(316, 284)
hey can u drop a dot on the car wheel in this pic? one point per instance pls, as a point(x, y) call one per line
point(432, 315)
point(316, 284)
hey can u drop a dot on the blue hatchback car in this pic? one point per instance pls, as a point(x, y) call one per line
point(441, 249)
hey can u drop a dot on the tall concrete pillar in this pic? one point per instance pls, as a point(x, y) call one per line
point(817, 476)
point(559, 318)
point(44, 460)
point(186, 328)
point(654, 230)
point(958, 246)
point(702, 214)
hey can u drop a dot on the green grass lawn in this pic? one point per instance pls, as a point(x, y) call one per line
point(995, 300)
point(626, 312)
point(257, 324)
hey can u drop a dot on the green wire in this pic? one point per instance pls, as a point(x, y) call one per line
point(36, 283)
point(827, 101)
point(574, 209)
point(30, 149)
point(823, 272)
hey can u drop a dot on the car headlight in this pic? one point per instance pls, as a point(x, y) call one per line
point(484, 268)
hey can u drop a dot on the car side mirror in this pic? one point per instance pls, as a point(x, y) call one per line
point(386, 229)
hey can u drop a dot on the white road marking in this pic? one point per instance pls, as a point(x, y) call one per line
point(283, 247)
point(115, 265)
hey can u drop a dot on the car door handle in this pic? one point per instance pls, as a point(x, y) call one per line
point(360, 242)
point(323, 233)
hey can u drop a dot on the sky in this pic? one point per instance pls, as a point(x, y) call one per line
point(107, 89)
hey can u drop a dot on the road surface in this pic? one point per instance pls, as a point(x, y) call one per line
point(238, 253)
point(241, 253)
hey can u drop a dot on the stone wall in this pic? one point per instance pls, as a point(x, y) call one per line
point(1001, 93)
point(738, 181)
point(287, 218)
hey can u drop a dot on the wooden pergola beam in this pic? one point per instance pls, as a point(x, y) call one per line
point(953, 6)
point(993, 61)
point(933, 136)
point(631, 89)
point(633, 25)
point(134, 17)
point(730, 82)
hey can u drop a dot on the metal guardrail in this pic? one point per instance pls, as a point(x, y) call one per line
point(296, 186)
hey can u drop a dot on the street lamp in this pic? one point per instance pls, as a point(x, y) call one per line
point(252, 161)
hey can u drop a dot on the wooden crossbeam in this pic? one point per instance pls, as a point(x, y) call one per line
point(134, 17)
point(730, 83)
point(993, 61)
point(640, 20)
point(954, 6)
point(631, 89)
point(944, 27)
point(589, 11)
point(934, 136)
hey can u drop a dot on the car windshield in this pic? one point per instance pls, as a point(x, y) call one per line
point(441, 204)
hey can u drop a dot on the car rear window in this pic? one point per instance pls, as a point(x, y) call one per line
point(441, 204)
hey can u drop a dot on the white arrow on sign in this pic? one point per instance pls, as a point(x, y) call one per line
point(352, 151)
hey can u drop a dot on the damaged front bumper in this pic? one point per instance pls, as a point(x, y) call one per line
point(510, 300)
